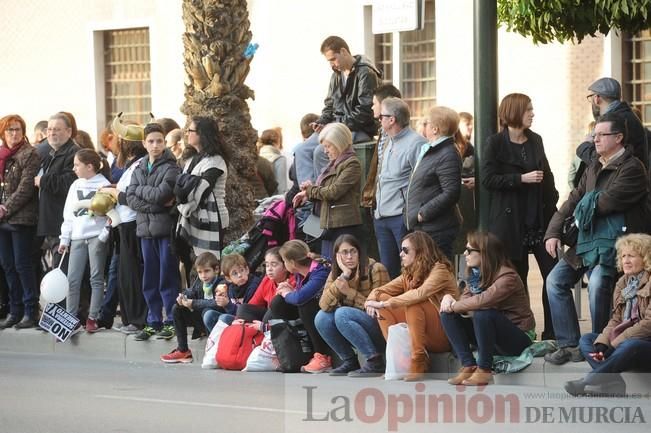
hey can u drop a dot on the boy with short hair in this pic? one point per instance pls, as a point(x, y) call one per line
point(241, 283)
point(191, 304)
point(151, 195)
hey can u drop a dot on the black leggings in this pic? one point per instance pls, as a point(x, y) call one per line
point(306, 312)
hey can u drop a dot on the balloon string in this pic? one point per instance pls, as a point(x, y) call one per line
point(63, 256)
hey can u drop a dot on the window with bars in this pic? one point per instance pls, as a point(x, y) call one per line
point(639, 74)
point(127, 74)
point(417, 63)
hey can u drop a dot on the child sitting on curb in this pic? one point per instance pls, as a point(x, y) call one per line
point(242, 284)
point(191, 304)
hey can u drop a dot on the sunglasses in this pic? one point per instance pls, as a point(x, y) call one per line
point(405, 250)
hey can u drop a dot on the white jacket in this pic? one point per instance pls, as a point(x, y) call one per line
point(77, 223)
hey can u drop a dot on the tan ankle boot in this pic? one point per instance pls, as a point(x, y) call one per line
point(419, 366)
point(464, 373)
point(479, 377)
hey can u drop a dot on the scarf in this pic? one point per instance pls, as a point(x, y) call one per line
point(474, 279)
point(5, 154)
point(629, 293)
point(332, 165)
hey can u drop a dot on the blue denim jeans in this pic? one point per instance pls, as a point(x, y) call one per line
point(631, 354)
point(210, 318)
point(346, 328)
point(16, 261)
point(111, 297)
point(389, 232)
point(490, 330)
point(560, 281)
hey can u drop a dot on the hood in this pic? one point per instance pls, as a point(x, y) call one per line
point(361, 60)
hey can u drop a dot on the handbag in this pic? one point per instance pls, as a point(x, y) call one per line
point(312, 226)
point(292, 344)
point(570, 232)
point(235, 345)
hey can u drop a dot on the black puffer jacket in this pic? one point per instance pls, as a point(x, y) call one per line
point(351, 104)
point(150, 194)
point(434, 190)
point(55, 183)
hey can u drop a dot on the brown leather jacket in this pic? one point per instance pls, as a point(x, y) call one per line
point(439, 282)
point(20, 196)
point(506, 294)
point(641, 329)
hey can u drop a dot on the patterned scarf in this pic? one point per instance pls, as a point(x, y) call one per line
point(629, 293)
point(5, 154)
point(474, 281)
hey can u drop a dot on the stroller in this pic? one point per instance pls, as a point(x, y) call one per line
point(276, 226)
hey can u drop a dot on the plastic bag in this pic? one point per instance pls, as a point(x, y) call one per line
point(210, 354)
point(398, 352)
point(263, 357)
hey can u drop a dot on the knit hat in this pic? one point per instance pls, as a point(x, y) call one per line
point(606, 87)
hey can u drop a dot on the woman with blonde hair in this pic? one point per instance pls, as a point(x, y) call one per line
point(435, 184)
point(414, 297)
point(337, 189)
point(625, 342)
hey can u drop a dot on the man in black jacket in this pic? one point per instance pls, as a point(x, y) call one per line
point(350, 94)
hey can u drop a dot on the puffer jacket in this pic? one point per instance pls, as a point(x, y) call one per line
point(434, 189)
point(351, 104)
point(150, 194)
point(19, 195)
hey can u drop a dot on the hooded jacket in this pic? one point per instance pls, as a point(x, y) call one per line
point(350, 103)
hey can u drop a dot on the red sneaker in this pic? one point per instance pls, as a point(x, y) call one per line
point(318, 364)
point(176, 356)
point(91, 326)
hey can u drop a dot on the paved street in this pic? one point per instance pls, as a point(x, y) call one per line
point(61, 394)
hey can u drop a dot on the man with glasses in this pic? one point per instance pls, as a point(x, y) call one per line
point(609, 201)
point(399, 158)
point(605, 97)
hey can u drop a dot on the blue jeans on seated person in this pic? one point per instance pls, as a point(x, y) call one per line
point(490, 330)
point(631, 354)
point(560, 281)
point(346, 328)
point(210, 318)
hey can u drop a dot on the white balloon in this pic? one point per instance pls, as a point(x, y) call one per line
point(54, 286)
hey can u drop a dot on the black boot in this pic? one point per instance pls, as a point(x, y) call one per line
point(9, 322)
point(26, 323)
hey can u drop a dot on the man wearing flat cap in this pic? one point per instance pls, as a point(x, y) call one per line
point(605, 96)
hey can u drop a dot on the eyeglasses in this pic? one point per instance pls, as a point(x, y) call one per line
point(589, 97)
point(190, 130)
point(603, 134)
point(470, 250)
point(56, 130)
point(239, 273)
point(12, 130)
point(405, 250)
point(385, 115)
point(349, 253)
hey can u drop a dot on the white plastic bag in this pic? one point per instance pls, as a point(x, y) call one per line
point(398, 352)
point(263, 357)
point(210, 355)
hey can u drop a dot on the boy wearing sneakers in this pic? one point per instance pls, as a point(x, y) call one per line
point(151, 195)
point(242, 284)
point(191, 304)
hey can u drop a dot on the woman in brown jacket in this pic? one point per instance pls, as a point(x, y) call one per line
point(342, 322)
point(337, 189)
point(493, 311)
point(414, 297)
point(625, 343)
point(19, 163)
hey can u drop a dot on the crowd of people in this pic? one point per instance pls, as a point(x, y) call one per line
point(456, 288)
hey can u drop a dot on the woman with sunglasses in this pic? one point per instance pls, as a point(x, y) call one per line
point(414, 297)
point(342, 322)
point(493, 312)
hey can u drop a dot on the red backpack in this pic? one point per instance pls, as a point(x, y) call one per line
point(235, 345)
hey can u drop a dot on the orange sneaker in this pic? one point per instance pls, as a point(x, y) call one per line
point(176, 356)
point(318, 364)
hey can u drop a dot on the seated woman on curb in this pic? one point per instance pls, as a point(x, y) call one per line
point(493, 312)
point(625, 343)
point(414, 297)
point(342, 322)
point(303, 300)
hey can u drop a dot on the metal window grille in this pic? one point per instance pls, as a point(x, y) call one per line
point(639, 74)
point(127, 74)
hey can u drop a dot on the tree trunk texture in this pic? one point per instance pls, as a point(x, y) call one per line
point(216, 36)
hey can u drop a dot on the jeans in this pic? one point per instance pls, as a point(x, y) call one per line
point(16, 261)
point(491, 330)
point(348, 327)
point(160, 280)
point(111, 297)
point(631, 354)
point(81, 253)
point(445, 241)
point(559, 284)
point(210, 318)
point(389, 232)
